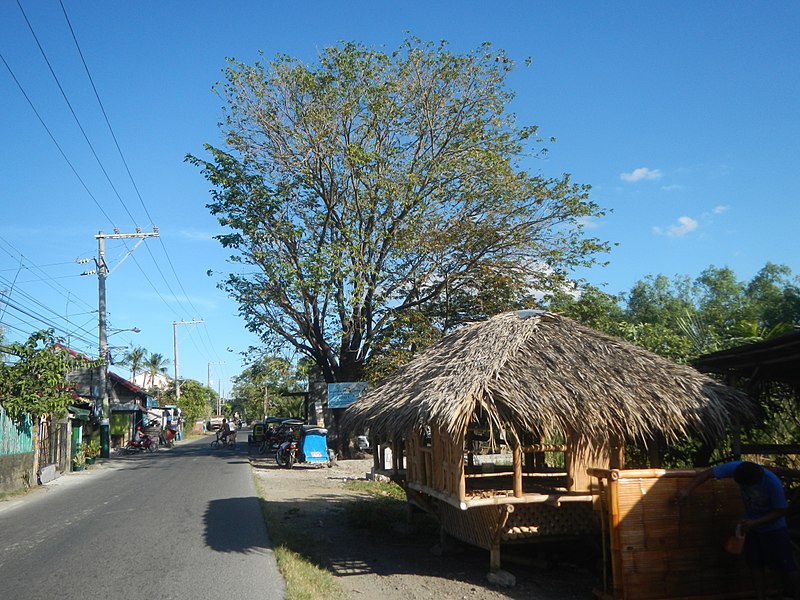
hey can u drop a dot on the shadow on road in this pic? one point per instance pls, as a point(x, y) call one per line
point(230, 525)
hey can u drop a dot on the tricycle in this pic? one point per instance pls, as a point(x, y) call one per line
point(307, 444)
point(276, 431)
point(263, 429)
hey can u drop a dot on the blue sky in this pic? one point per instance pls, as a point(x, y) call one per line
point(683, 116)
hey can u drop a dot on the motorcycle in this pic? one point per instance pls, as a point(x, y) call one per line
point(274, 431)
point(286, 455)
point(311, 448)
point(146, 444)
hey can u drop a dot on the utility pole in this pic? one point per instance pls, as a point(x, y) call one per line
point(103, 273)
point(175, 349)
point(210, 382)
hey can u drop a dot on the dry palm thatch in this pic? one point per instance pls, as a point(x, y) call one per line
point(543, 373)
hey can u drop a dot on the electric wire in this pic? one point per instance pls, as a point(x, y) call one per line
point(38, 317)
point(86, 188)
point(32, 300)
point(74, 115)
point(127, 168)
point(30, 266)
point(52, 137)
point(103, 110)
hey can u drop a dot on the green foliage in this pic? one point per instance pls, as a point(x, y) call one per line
point(589, 306)
point(79, 458)
point(374, 184)
point(135, 359)
point(197, 400)
point(33, 377)
point(682, 319)
point(91, 448)
point(155, 364)
point(261, 388)
point(380, 489)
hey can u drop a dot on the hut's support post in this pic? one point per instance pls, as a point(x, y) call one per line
point(654, 451)
point(397, 456)
point(377, 459)
point(497, 536)
point(517, 471)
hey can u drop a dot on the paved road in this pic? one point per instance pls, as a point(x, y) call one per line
point(184, 523)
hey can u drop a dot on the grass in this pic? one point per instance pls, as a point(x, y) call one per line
point(15, 494)
point(305, 580)
point(383, 513)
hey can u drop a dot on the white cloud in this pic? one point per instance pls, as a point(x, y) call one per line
point(196, 235)
point(685, 225)
point(640, 174)
point(589, 222)
point(718, 210)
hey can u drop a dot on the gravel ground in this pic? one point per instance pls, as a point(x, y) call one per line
point(398, 562)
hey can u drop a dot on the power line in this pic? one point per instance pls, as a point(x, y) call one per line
point(127, 168)
point(180, 299)
point(52, 137)
point(74, 115)
point(105, 115)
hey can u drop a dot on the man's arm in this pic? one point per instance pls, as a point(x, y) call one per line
point(773, 515)
point(698, 480)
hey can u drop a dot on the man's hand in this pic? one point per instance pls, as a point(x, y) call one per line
point(681, 496)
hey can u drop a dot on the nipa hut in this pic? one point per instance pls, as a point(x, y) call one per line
point(551, 397)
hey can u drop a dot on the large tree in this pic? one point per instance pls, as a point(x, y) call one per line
point(197, 401)
point(372, 183)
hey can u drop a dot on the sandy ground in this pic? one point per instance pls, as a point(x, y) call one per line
point(396, 560)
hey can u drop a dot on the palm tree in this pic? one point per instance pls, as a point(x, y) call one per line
point(135, 360)
point(156, 364)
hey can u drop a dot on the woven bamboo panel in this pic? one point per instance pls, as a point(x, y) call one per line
point(478, 525)
point(571, 518)
point(661, 550)
point(474, 526)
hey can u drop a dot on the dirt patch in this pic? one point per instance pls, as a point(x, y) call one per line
point(394, 559)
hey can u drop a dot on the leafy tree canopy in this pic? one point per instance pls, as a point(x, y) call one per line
point(197, 400)
point(682, 318)
point(372, 184)
point(33, 376)
point(261, 388)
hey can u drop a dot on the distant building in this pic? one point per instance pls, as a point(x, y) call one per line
point(147, 381)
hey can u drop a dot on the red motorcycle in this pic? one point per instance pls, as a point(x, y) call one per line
point(146, 444)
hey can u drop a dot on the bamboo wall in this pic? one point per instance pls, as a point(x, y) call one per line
point(662, 550)
point(437, 463)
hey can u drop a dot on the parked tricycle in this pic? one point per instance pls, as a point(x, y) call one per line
point(307, 444)
point(262, 430)
point(276, 431)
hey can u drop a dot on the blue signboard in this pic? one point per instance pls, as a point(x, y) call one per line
point(342, 395)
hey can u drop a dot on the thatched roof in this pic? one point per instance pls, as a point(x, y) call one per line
point(544, 373)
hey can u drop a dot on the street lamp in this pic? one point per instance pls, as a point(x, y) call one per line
point(115, 331)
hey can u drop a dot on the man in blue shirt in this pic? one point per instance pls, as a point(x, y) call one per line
point(767, 543)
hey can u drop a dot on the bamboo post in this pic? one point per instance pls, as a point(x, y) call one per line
point(494, 550)
point(616, 544)
point(517, 471)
